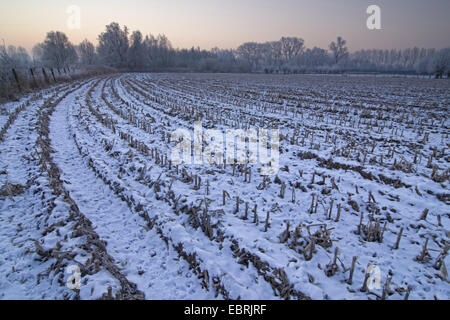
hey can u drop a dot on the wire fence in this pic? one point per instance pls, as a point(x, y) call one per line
point(16, 81)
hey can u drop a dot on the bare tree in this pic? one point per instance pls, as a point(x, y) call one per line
point(165, 50)
point(136, 52)
point(86, 52)
point(57, 51)
point(291, 47)
point(113, 45)
point(249, 52)
point(339, 49)
point(13, 57)
point(440, 63)
point(314, 59)
point(273, 53)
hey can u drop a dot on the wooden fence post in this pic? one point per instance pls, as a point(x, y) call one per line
point(17, 80)
point(45, 76)
point(35, 85)
point(53, 74)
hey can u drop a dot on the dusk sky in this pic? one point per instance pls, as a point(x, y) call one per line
point(227, 24)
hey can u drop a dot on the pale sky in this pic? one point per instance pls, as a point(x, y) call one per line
point(229, 23)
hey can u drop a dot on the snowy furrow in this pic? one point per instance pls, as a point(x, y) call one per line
point(33, 220)
point(22, 213)
point(69, 236)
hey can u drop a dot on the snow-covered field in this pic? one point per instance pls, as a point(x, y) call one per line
point(362, 192)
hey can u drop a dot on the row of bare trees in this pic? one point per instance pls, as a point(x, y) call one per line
point(120, 49)
point(289, 55)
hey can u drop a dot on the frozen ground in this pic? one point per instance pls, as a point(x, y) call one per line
point(86, 180)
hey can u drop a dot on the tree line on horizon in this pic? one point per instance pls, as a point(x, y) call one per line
point(122, 50)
